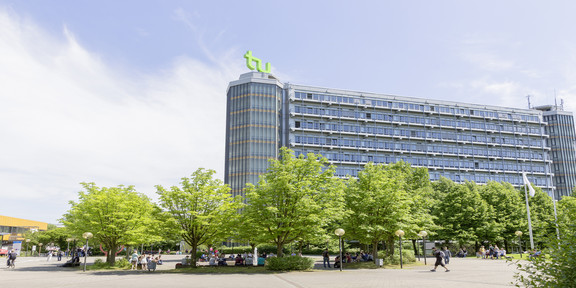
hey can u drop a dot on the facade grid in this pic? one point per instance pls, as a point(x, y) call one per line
point(463, 142)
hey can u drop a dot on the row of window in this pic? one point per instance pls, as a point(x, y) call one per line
point(437, 162)
point(516, 180)
point(452, 123)
point(414, 133)
point(415, 106)
point(419, 147)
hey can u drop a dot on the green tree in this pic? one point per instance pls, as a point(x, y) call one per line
point(462, 213)
point(115, 216)
point(203, 208)
point(567, 214)
point(380, 204)
point(507, 210)
point(541, 215)
point(294, 200)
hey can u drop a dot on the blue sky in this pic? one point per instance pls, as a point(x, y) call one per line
point(133, 92)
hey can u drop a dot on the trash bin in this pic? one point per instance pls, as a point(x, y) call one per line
point(380, 262)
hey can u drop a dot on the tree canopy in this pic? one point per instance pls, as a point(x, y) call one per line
point(114, 215)
point(294, 200)
point(202, 207)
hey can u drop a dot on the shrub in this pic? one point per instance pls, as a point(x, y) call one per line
point(122, 263)
point(407, 257)
point(289, 263)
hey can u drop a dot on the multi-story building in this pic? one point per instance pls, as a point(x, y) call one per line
point(562, 142)
point(459, 141)
point(12, 231)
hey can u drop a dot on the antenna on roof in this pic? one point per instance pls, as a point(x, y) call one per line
point(561, 104)
point(528, 97)
point(555, 100)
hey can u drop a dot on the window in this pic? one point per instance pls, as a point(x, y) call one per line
point(297, 124)
point(368, 116)
point(309, 96)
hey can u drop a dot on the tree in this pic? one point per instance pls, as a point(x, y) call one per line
point(558, 268)
point(462, 213)
point(507, 210)
point(294, 200)
point(567, 214)
point(380, 204)
point(115, 216)
point(202, 207)
point(541, 215)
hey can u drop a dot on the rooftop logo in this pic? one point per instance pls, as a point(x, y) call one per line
point(249, 63)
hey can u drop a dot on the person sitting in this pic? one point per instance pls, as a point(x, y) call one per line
point(364, 256)
point(370, 257)
point(186, 260)
point(212, 261)
point(465, 252)
point(249, 260)
point(261, 261)
point(460, 253)
point(347, 258)
point(239, 261)
point(222, 262)
point(535, 253)
point(337, 262)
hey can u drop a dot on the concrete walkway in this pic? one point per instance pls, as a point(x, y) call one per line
point(470, 272)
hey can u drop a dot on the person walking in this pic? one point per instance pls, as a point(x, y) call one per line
point(439, 256)
point(447, 255)
point(326, 258)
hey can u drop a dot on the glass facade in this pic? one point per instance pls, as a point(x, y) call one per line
point(252, 136)
point(459, 141)
point(562, 142)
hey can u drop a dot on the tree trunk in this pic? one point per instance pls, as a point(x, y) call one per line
point(375, 251)
point(279, 248)
point(506, 245)
point(390, 247)
point(111, 257)
point(476, 247)
point(193, 255)
point(415, 248)
point(300, 244)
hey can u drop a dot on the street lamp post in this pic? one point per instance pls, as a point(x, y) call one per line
point(400, 233)
point(86, 235)
point(340, 232)
point(423, 234)
point(68, 248)
point(27, 246)
point(519, 234)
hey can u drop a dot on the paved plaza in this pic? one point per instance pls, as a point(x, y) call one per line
point(470, 272)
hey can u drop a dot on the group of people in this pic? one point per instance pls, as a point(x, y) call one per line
point(346, 258)
point(146, 261)
point(215, 259)
point(493, 252)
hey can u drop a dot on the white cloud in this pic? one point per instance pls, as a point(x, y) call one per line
point(66, 116)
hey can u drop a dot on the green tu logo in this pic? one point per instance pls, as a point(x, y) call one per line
point(250, 59)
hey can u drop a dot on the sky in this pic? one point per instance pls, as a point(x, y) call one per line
point(134, 92)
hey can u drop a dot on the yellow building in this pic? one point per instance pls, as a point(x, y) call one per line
point(12, 229)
